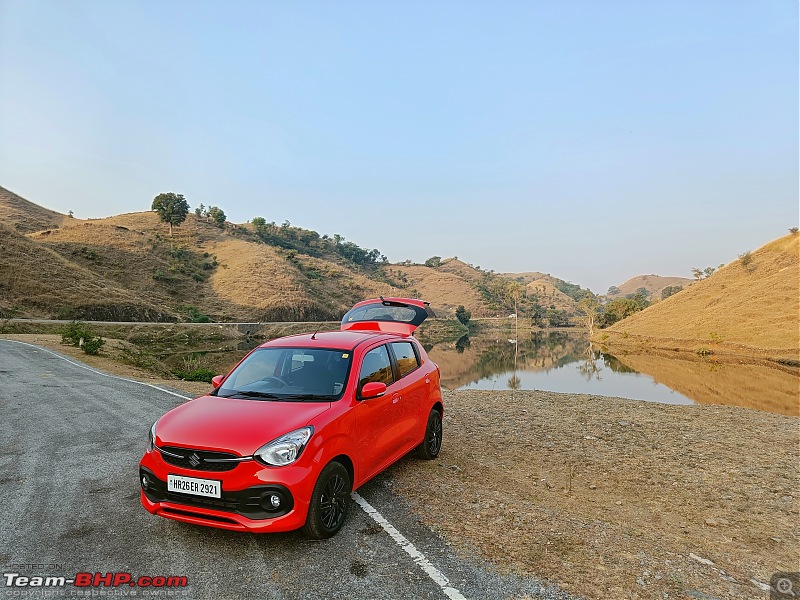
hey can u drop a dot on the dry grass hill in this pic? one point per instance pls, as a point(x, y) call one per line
point(127, 267)
point(654, 284)
point(749, 306)
point(23, 216)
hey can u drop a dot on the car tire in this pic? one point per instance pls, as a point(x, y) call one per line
point(432, 443)
point(330, 502)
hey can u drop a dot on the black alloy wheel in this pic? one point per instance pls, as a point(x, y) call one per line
point(432, 444)
point(330, 502)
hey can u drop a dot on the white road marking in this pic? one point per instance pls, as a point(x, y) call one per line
point(88, 368)
point(410, 549)
point(418, 557)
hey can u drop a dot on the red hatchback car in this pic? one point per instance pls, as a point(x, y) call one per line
point(297, 425)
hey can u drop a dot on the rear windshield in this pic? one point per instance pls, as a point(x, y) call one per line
point(290, 374)
point(388, 311)
point(379, 312)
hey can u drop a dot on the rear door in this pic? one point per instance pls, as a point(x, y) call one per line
point(390, 315)
point(378, 427)
point(411, 378)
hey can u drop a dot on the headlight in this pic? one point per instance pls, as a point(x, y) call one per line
point(286, 449)
point(151, 442)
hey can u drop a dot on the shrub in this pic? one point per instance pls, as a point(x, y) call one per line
point(78, 334)
point(463, 315)
point(92, 345)
point(73, 333)
point(746, 258)
point(200, 374)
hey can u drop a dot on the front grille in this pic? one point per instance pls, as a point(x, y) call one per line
point(247, 502)
point(199, 460)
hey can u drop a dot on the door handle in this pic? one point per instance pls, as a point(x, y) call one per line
point(395, 398)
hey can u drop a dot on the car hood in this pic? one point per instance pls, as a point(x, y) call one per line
point(230, 424)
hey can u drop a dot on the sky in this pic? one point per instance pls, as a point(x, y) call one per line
point(594, 140)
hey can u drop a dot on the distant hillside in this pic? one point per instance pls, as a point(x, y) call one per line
point(740, 308)
point(654, 284)
point(23, 216)
point(127, 267)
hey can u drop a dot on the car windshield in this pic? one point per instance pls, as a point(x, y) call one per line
point(290, 375)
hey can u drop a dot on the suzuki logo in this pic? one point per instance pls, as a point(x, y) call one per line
point(194, 460)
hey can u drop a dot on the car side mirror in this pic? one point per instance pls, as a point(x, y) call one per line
point(373, 389)
point(216, 381)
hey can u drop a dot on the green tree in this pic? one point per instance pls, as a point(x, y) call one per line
point(259, 223)
point(463, 314)
point(171, 208)
point(613, 291)
point(558, 318)
point(670, 290)
point(616, 310)
point(199, 210)
point(217, 215)
point(433, 261)
point(589, 306)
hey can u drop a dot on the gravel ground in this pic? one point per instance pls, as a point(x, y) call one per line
point(614, 498)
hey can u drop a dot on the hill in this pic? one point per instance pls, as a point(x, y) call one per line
point(24, 216)
point(127, 268)
point(654, 284)
point(749, 306)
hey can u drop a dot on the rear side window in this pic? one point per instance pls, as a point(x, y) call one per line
point(376, 367)
point(407, 359)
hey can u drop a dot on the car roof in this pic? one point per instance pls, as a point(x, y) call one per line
point(342, 340)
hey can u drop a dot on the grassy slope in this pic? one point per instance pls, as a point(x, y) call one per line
point(128, 267)
point(37, 281)
point(23, 216)
point(755, 309)
point(652, 283)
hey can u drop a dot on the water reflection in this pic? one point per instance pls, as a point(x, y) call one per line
point(566, 362)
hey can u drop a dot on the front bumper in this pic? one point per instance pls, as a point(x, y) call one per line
point(246, 490)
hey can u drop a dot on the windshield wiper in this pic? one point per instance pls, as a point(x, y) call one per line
point(308, 397)
point(252, 394)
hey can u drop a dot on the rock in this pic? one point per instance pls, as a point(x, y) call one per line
point(762, 586)
point(701, 560)
point(712, 522)
point(594, 487)
point(618, 502)
point(624, 423)
point(641, 582)
point(776, 540)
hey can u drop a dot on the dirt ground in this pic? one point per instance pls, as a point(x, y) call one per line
point(614, 498)
point(609, 498)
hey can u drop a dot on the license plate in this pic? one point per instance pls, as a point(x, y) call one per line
point(194, 486)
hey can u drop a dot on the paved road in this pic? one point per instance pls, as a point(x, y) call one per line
point(70, 443)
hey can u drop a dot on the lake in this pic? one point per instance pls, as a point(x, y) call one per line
point(560, 361)
point(563, 362)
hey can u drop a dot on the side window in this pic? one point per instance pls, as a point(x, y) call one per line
point(406, 357)
point(376, 367)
